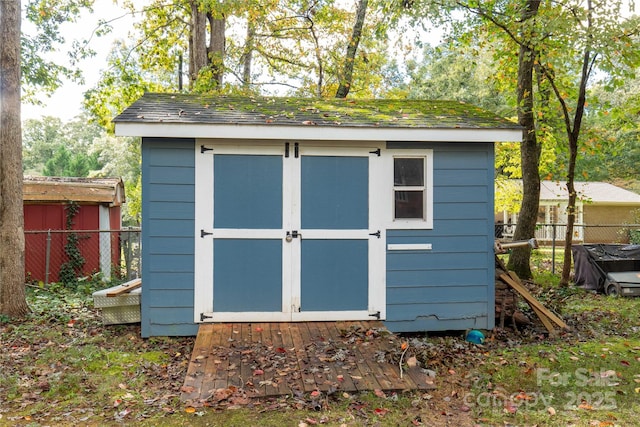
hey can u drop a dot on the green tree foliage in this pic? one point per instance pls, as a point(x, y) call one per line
point(53, 148)
point(43, 68)
point(125, 80)
point(288, 47)
point(449, 72)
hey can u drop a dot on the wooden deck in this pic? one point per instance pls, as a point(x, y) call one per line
point(271, 359)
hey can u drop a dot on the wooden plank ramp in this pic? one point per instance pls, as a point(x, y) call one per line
point(275, 359)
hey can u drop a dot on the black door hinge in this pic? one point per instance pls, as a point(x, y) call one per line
point(203, 317)
point(286, 149)
point(296, 150)
point(204, 149)
point(204, 233)
point(376, 152)
point(377, 234)
point(376, 315)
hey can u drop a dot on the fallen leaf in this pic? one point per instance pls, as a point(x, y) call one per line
point(189, 409)
point(258, 372)
point(551, 410)
point(381, 411)
point(380, 393)
point(412, 362)
point(315, 393)
point(510, 408)
point(584, 405)
point(625, 363)
point(523, 396)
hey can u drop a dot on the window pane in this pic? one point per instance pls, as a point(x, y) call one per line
point(409, 204)
point(408, 171)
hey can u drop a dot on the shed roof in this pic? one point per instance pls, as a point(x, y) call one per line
point(592, 192)
point(189, 115)
point(65, 189)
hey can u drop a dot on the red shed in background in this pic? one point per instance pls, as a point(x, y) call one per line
point(96, 223)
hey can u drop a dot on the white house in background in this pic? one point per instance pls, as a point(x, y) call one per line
point(598, 204)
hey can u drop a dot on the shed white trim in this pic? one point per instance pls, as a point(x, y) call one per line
point(201, 130)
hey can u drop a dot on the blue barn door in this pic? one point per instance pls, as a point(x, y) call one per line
point(333, 249)
point(285, 235)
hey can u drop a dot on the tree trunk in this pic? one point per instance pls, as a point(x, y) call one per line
point(12, 290)
point(573, 134)
point(346, 77)
point(519, 261)
point(216, 48)
point(197, 42)
point(571, 213)
point(247, 56)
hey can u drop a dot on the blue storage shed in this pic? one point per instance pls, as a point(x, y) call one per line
point(289, 209)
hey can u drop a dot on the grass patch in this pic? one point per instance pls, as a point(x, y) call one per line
point(570, 384)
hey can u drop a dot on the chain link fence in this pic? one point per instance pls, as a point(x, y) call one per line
point(554, 234)
point(71, 255)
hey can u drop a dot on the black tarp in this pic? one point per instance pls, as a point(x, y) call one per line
point(591, 263)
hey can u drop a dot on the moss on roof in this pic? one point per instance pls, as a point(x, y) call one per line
point(396, 113)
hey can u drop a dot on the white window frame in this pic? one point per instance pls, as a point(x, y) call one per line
point(389, 189)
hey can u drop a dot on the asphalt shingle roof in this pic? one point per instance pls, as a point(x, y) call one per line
point(594, 192)
point(384, 113)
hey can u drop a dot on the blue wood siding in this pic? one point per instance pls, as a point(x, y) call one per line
point(168, 201)
point(450, 286)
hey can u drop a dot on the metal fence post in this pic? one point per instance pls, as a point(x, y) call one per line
point(553, 248)
point(47, 258)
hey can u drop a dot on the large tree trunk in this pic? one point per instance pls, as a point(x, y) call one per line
point(216, 48)
point(346, 77)
point(12, 290)
point(198, 58)
point(206, 53)
point(519, 261)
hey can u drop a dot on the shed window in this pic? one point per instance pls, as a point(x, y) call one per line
point(408, 187)
point(410, 183)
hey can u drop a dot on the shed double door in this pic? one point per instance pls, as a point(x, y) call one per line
point(288, 235)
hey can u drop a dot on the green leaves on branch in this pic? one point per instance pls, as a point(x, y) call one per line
point(43, 68)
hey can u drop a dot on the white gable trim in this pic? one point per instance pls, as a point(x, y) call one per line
point(234, 131)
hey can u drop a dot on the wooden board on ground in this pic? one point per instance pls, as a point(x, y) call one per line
point(532, 301)
point(125, 287)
